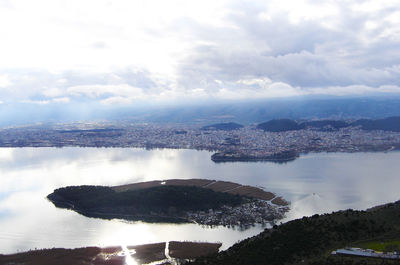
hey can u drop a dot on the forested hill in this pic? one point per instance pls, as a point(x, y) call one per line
point(281, 125)
point(157, 204)
point(388, 124)
point(229, 126)
point(311, 239)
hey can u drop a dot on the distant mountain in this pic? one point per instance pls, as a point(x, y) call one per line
point(282, 125)
point(337, 124)
point(229, 126)
point(310, 240)
point(388, 124)
point(258, 111)
point(208, 112)
point(279, 125)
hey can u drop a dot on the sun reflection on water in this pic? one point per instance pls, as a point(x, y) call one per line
point(128, 256)
point(28, 175)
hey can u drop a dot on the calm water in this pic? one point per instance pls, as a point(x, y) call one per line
point(314, 183)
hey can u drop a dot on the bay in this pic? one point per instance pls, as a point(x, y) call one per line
point(314, 183)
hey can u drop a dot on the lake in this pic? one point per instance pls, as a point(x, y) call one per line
point(314, 183)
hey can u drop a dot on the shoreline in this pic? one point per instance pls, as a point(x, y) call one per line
point(231, 157)
point(114, 255)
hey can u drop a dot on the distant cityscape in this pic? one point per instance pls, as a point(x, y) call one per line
point(242, 143)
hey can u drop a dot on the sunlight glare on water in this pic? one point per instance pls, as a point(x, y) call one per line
point(128, 258)
point(314, 183)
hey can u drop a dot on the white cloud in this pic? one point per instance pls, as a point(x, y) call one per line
point(116, 101)
point(95, 91)
point(120, 52)
point(61, 100)
point(255, 81)
point(38, 102)
point(53, 92)
point(6, 4)
point(4, 81)
point(99, 45)
point(62, 36)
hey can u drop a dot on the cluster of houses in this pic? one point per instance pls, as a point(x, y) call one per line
point(247, 214)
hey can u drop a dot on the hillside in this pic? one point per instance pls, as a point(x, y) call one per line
point(387, 124)
point(282, 125)
point(337, 124)
point(229, 126)
point(279, 125)
point(310, 240)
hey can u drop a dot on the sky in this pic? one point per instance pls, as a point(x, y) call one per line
point(130, 52)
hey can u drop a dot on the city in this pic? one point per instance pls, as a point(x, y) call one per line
point(244, 143)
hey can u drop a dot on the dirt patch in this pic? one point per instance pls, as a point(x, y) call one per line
point(222, 186)
point(156, 183)
point(218, 186)
point(189, 182)
point(137, 186)
point(253, 192)
point(280, 201)
point(61, 256)
point(190, 250)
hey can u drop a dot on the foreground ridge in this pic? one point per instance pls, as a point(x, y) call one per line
point(310, 240)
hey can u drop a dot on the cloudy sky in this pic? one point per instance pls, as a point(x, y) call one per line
point(129, 51)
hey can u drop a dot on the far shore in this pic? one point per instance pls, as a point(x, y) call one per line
point(142, 254)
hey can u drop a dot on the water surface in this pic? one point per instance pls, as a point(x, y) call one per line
point(314, 183)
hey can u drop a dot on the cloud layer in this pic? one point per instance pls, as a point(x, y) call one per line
point(124, 52)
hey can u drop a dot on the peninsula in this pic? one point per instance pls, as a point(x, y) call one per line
point(281, 157)
point(201, 201)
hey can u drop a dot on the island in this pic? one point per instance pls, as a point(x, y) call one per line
point(278, 157)
point(201, 201)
